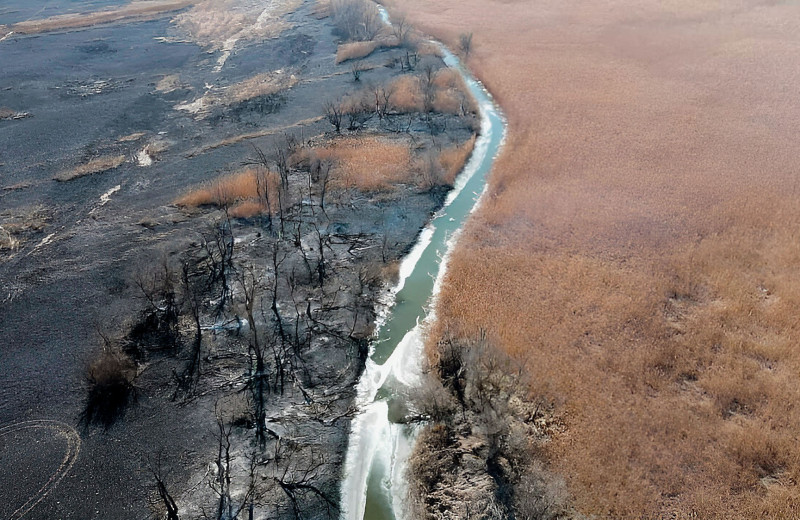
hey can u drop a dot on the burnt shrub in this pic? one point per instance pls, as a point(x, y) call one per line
point(155, 331)
point(111, 388)
point(433, 463)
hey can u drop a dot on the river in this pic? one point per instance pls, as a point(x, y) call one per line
point(373, 485)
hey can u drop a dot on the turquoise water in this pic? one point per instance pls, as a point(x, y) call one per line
point(373, 486)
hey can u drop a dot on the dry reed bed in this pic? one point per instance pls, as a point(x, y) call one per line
point(406, 93)
point(453, 159)
point(451, 93)
point(368, 164)
point(96, 165)
point(221, 24)
point(244, 194)
point(133, 12)
point(260, 85)
point(637, 244)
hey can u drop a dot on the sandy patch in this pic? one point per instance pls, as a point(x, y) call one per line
point(97, 165)
point(219, 25)
point(251, 88)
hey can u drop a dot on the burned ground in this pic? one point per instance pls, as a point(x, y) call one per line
point(71, 252)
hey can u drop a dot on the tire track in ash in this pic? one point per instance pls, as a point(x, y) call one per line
point(73, 450)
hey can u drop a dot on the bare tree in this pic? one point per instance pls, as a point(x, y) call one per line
point(402, 30)
point(299, 478)
point(428, 69)
point(220, 483)
point(323, 242)
point(383, 100)
point(465, 44)
point(264, 195)
point(320, 172)
point(356, 19)
point(292, 143)
point(164, 497)
point(410, 62)
point(258, 380)
point(219, 244)
point(356, 68)
point(192, 302)
point(158, 326)
point(334, 113)
point(282, 165)
point(297, 343)
point(277, 258)
point(358, 113)
point(324, 175)
point(158, 288)
point(372, 23)
point(110, 377)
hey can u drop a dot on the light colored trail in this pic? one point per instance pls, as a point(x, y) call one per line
point(73, 449)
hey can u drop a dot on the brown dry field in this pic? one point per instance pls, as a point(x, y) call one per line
point(645, 212)
point(96, 165)
point(140, 10)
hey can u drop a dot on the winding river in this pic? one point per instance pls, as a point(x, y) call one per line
point(373, 486)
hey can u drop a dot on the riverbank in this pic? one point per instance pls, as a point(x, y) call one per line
point(375, 482)
point(636, 244)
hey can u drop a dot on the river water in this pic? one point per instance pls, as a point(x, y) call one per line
point(373, 486)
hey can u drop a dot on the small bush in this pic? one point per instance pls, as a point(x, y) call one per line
point(248, 209)
point(355, 50)
point(111, 389)
point(539, 495)
point(431, 463)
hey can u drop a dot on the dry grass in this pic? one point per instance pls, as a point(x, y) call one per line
point(221, 24)
point(248, 209)
point(322, 9)
point(638, 244)
point(452, 94)
point(6, 114)
point(239, 192)
point(406, 93)
point(425, 48)
point(355, 50)
point(7, 240)
point(97, 165)
point(362, 49)
point(453, 159)
point(133, 12)
point(169, 83)
point(367, 163)
point(17, 226)
point(260, 85)
point(253, 135)
point(440, 168)
point(131, 137)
